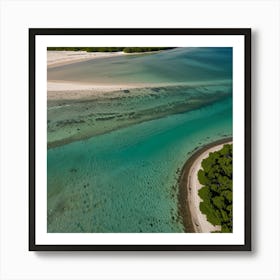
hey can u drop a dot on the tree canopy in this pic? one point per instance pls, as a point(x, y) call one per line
point(216, 193)
point(109, 49)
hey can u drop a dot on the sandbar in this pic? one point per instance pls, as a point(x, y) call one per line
point(75, 90)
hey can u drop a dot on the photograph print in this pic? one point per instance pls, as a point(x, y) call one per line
point(141, 139)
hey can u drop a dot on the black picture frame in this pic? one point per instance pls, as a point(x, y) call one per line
point(246, 32)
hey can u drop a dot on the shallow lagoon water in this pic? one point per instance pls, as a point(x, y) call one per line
point(70, 120)
point(171, 66)
point(126, 180)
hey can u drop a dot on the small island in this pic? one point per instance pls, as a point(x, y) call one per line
point(205, 190)
point(216, 193)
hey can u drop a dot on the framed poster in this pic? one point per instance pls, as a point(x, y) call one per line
point(140, 139)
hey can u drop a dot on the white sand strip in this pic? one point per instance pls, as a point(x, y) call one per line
point(60, 85)
point(199, 220)
point(70, 86)
point(59, 58)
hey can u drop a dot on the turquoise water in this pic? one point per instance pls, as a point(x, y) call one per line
point(175, 66)
point(126, 180)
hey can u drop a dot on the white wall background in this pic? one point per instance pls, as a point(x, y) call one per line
point(17, 262)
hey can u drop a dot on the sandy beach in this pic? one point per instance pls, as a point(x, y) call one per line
point(59, 58)
point(189, 187)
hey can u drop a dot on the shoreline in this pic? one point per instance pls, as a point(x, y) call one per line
point(61, 58)
point(193, 220)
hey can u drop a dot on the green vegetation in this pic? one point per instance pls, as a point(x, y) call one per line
point(216, 177)
point(108, 49)
point(147, 49)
